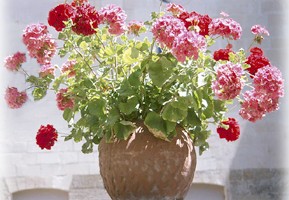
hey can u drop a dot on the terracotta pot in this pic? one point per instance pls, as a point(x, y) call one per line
point(146, 168)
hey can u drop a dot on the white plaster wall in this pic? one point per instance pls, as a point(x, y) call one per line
point(261, 144)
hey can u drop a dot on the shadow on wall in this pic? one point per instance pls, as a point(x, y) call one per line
point(200, 191)
point(258, 167)
point(43, 194)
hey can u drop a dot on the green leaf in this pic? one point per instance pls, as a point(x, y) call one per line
point(173, 114)
point(192, 118)
point(123, 129)
point(67, 114)
point(87, 147)
point(134, 78)
point(96, 107)
point(39, 93)
point(113, 116)
point(129, 106)
point(160, 71)
point(83, 45)
point(159, 127)
point(126, 89)
point(130, 55)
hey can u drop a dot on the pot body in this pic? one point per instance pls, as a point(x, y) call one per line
point(146, 168)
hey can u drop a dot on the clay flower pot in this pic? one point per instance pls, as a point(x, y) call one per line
point(144, 167)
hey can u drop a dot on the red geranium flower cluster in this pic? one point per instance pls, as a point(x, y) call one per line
point(84, 17)
point(60, 14)
point(196, 21)
point(46, 136)
point(256, 60)
point(222, 54)
point(231, 132)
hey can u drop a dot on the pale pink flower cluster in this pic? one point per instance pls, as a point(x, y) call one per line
point(225, 27)
point(39, 43)
point(115, 17)
point(264, 98)
point(64, 100)
point(46, 70)
point(134, 27)
point(259, 30)
point(228, 83)
point(14, 98)
point(269, 80)
point(166, 29)
point(188, 44)
point(14, 62)
point(68, 67)
point(175, 9)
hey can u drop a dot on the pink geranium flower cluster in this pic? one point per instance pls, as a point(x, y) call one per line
point(259, 32)
point(225, 27)
point(39, 43)
point(14, 98)
point(228, 82)
point(64, 100)
point(14, 62)
point(115, 17)
point(264, 98)
point(68, 67)
point(166, 29)
point(46, 70)
point(134, 27)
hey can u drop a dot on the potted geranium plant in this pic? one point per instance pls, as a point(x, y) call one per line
point(140, 98)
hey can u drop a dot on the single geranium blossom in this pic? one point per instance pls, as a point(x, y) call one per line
point(175, 9)
point(46, 136)
point(14, 62)
point(231, 132)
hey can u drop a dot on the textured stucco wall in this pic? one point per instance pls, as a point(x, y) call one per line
point(260, 150)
